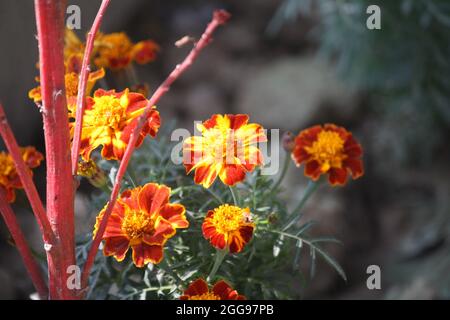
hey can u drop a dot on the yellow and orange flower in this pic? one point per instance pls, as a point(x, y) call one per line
point(9, 178)
point(145, 51)
point(226, 148)
point(199, 290)
point(109, 120)
point(71, 79)
point(144, 220)
point(116, 51)
point(73, 46)
point(228, 227)
point(328, 150)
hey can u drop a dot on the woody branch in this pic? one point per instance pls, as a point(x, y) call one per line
point(60, 190)
point(83, 83)
point(22, 246)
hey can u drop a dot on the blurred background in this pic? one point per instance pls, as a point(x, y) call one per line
point(290, 64)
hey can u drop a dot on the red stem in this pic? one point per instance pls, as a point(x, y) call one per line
point(22, 246)
point(60, 188)
point(26, 179)
point(84, 74)
point(220, 17)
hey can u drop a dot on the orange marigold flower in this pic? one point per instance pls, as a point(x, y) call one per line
point(72, 44)
point(145, 51)
point(226, 149)
point(9, 178)
point(328, 150)
point(116, 51)
point(228, 227)
point(144, 220)
point(71, 79)
point(199, 290)
point(109, 120)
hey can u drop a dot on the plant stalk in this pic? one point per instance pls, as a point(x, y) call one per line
point(220, 255)
point(19, 240)
point(60, 187)
point(310, 189)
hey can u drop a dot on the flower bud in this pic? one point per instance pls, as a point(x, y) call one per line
point(288, 141)
point(92, 173)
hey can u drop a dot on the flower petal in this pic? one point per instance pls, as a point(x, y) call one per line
point(237, 120)
point(175, 214)
point(163, 231)
point(337, 176)
point(117, 247)
point(230, 174)
point(355, 166)
point(223, 290)
point(238, 239)
point(313, 170)
point(205, 174)
point(198, 287)
point(114, 226)
point(144, 254)
point(146, 195)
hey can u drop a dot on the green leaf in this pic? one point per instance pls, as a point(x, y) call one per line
point(332, 262)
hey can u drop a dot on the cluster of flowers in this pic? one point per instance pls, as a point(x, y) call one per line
point(143, 218)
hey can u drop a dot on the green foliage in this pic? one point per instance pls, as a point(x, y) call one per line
point(267, 268)
point(404, 66)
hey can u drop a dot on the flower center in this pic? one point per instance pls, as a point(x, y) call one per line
point(108, 111)
point(136, 223)
point(205, 296)
point(328, 150)
point(220, 143)
point(228, 218)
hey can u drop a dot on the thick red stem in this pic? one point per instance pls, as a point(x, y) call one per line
point(60, 188)
point(220, 17)
point(22, 246)
point(26, 179)
point(84, 74)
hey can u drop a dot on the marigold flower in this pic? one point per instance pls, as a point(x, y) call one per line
point(144, 220)
point(228, 227)
point(9, 178)
point(145, 51)
point(225, 149)
point(109, 120)
point(116, 51)
point(328, 150)
point(71, 79)
point(199, 290)
point(72, 44)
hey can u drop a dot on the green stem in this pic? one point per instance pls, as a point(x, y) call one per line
point(286, 163)
point(310, 188)
point(220, 255)
point(215, 196)
point(233, 194)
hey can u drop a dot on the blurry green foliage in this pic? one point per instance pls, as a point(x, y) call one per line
point(404, 67)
